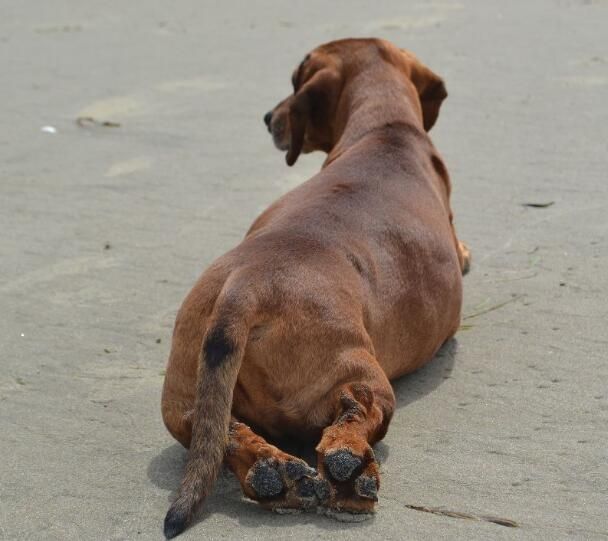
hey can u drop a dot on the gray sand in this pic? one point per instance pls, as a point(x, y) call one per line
point(104, 229)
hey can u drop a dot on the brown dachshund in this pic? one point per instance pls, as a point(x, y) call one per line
point(348, 281)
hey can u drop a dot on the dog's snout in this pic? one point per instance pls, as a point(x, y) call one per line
point(268, 118)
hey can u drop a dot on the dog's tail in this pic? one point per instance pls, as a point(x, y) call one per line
point(222, 353)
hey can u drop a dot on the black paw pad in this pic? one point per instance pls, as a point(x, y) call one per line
point(306, 488)
point(367, 487)
point(322, 488)
point(342, 464)
point(296, 470)
point(265, 480)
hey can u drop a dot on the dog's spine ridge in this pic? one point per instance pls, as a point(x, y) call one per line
point(222, 353)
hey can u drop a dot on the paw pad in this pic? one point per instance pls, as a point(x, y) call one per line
point(296, 470)
point(341, 464)
point(322, 489)
point(367, 487)
point(265, 480)
point(306, 488)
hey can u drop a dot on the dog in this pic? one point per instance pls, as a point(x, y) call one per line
point(350, 280)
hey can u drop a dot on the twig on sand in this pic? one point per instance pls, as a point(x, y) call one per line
point(539, 205)
point(458, 514)
point(87, 121)
point(492, 308)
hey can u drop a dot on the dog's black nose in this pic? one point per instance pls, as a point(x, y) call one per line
point(268, 118)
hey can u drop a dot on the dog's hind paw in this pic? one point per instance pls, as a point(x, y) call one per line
point(354, 480)
point(280, 485)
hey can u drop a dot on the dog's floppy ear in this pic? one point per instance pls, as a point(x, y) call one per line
point(431, 90)
point(312, 99)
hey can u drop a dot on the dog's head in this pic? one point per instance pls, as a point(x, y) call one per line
point(313, 117)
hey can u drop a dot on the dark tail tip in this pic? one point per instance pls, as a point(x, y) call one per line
point(175, 523)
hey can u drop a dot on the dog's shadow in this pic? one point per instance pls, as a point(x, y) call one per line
point(165, 470)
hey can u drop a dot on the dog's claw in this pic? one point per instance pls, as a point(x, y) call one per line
point(341, 464)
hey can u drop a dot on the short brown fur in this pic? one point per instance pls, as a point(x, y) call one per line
point(346, 282)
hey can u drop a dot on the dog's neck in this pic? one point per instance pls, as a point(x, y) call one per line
point(376, 100)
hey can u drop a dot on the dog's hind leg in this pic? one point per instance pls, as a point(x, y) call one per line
point(345, 457)
point(269, 476)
